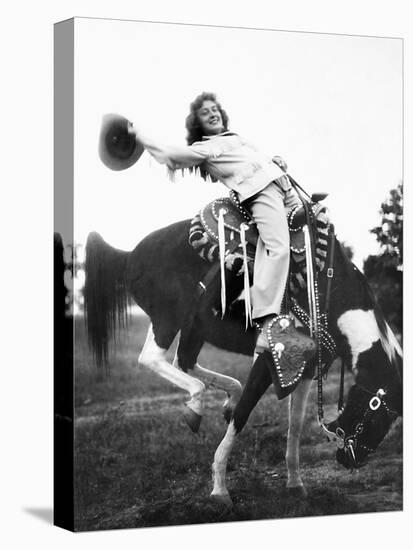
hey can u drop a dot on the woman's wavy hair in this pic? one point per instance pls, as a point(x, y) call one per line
point(193, 125)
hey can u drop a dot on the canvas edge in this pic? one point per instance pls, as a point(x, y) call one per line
point(63, 341)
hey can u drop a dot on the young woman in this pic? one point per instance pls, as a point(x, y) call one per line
point(261, 184)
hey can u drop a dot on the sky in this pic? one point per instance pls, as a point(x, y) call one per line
point(330, 105)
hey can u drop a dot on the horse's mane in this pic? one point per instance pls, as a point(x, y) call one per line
point(388, 340)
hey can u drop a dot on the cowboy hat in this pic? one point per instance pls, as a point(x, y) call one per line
point(118, 149)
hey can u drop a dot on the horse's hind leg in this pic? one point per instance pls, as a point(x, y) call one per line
point(190, 344)
point(258, 381)
point(298, 403)
point(153, 356)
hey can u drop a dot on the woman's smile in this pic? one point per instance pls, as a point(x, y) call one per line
point(210, 118)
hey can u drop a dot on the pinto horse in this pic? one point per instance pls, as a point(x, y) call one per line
point(162, 274)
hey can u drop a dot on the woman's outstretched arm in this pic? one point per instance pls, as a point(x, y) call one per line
point(173, 156)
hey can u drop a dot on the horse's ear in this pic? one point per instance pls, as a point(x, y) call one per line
point(318, 197)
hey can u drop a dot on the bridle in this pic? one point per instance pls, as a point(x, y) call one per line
point(351, 441)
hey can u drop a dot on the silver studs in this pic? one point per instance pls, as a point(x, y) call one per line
point(279, 348)
point(284, 323)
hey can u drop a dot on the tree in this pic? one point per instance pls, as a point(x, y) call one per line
point(385, 270)
point(389, 233)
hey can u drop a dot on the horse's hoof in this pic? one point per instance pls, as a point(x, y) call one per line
point(193, 419)
point(297, 492)
point(224, 500)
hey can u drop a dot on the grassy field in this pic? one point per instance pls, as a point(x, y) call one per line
point(139, 465)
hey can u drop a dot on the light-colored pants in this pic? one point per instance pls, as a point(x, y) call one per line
point(269, 209)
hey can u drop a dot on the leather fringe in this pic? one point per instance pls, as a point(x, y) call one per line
point(247, 295)
point(221, 241)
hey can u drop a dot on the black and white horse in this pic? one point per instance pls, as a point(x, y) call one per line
point(162, 273)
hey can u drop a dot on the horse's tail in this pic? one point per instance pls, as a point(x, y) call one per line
point(105, 294)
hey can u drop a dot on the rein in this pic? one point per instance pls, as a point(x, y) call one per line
point(330, 275)
point(317, 320)
point(309, 247)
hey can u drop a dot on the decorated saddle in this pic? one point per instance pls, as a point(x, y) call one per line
point(225, 231)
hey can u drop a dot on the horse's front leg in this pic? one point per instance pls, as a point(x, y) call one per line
point(298, 403)
point(258, 381)
point(219, 467)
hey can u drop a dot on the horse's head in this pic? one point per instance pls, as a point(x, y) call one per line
point(369, 347)
point(363, 424)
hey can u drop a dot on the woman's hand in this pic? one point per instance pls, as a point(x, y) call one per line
point(131, 129)
point(279, 161)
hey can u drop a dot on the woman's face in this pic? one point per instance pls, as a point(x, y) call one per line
point(210, 118)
